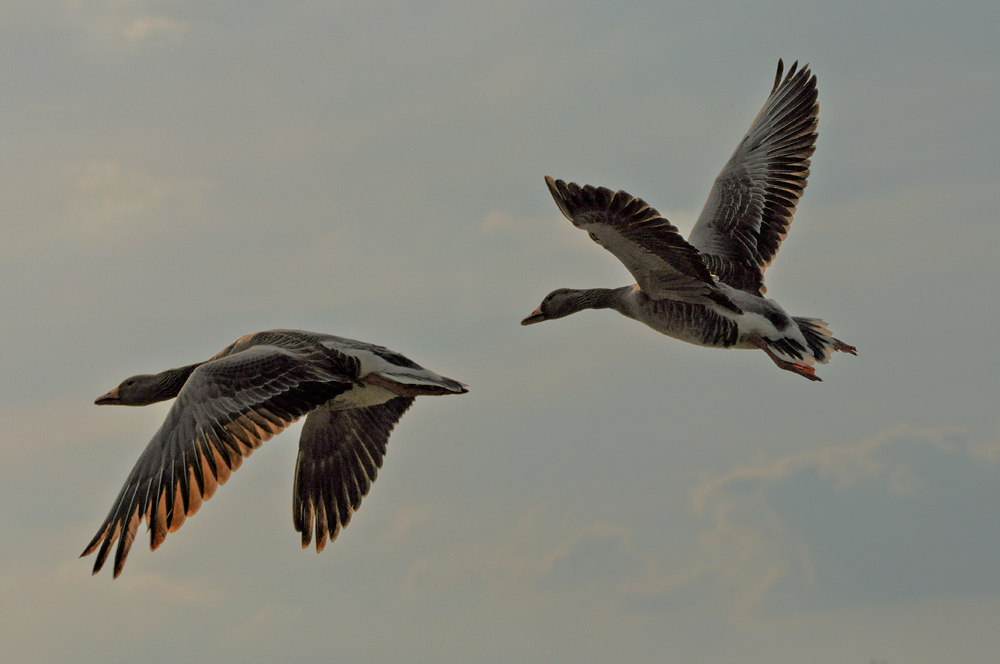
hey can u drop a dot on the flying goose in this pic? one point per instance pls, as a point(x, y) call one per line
point(709, 290)
point(353, 392)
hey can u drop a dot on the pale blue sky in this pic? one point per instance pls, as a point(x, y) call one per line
point(177, 174)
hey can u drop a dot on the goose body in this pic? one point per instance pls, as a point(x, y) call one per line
point(353, 393)
point(709, 290)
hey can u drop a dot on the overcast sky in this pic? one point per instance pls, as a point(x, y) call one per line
point(176, 174)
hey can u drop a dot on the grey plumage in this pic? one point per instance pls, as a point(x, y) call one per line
point(751, 203)
point(708, 290)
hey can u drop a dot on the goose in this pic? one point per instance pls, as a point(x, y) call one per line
point(709, 289)
point(226, 407)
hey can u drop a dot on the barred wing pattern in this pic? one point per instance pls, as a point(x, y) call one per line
point(662, 262)
point(751, 204)
point(340, 454)
point(226, 409)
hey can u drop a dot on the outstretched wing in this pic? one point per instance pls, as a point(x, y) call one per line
point(226, 409)
point(664, 265)
point(753, 199)
point(340, 453)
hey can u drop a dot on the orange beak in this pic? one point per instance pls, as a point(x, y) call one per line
point(535, 316)
point(108, 399)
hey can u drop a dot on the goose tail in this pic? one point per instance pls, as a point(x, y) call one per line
point(820, 341)
point(426, 379)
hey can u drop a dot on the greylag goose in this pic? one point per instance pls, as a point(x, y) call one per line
point(353, 392)
point(709, 290)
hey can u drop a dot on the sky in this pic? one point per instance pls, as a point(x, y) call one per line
point(176, 174)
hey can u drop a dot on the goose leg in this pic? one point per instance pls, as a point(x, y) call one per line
point(844, 348)
point(802, 370)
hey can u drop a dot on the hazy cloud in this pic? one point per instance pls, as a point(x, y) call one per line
point(108, 197)
point(116, 23)
point(535, 557)
point(178, 174)
point(772, 521)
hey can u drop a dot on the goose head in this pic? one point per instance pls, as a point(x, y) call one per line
point(557, 304)
point(145, 389)
point(140, 390)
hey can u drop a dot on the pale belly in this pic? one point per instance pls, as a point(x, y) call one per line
point(361, 396)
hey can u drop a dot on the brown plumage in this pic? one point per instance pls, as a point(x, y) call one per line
point(226, 407)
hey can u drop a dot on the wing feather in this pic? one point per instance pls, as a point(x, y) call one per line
point(340, 453)
point(663, 263)
point(206, 435)
point(752, 201)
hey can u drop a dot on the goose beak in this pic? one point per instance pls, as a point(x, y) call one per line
point(536, 316)
point(108, 399)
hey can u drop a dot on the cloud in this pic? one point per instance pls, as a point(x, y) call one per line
point(410, 519)
point(131, 23)
point(542, 564)
point(265, 627)
point(108, 195)
point(903, 515)
point(844, 465)
point(145, 27)
point(532, 559)
point(49, 582)
point(92, 201)
point(987, 452)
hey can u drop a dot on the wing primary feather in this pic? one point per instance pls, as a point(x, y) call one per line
point(198, 464)
point(327, 495)
point(156, 507)
point(322, 523)
point(183, 482)
point(170, 493)
point(102, 555)
point(127, 537)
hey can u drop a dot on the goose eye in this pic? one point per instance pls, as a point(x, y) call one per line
point(593, 236)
